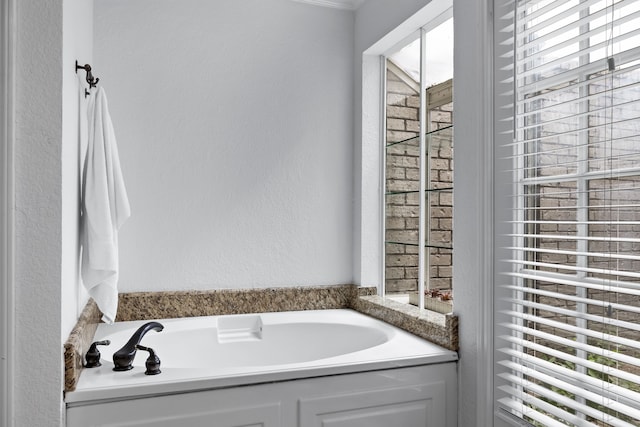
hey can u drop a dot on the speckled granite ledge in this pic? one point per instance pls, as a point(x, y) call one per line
point(438, 328)
point(78, 343)
point(441, 329)
point(167, 305)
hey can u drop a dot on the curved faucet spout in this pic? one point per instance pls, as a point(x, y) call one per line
point(123, 358)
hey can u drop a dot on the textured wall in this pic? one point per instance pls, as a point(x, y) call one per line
point(38, 148)
point(47, 134)
point(234, 124)
point(77, 42)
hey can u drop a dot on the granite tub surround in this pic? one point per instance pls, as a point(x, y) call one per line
point(441, 329)
point(78, 343)
point(168, 305)
point(438, 328)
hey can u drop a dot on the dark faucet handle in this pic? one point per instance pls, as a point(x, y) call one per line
point(93, 355)
point(153, 361)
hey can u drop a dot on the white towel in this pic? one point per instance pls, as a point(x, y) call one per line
point(105, 207)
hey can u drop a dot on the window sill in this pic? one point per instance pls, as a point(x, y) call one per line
point(441, 329)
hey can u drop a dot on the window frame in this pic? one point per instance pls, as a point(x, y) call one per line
point(582, 177)
point(424, 163)
point(7, 305)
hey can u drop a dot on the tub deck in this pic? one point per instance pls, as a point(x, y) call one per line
point(202, 353)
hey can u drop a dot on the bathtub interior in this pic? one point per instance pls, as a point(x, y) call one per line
point(249, 340)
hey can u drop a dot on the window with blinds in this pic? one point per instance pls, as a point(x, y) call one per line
point(568, 337)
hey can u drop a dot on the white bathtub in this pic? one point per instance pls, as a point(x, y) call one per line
point(206, 353)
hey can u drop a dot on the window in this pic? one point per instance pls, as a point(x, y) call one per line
point(418, 168)
point(569, 338)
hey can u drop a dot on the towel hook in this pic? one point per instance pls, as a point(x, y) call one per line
point(93, 81)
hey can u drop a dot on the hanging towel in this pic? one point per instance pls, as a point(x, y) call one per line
point(105, 207)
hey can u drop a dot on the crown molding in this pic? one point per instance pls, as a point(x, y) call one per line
point(335, 4)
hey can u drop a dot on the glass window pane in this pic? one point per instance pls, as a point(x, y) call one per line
point(402, 171)
point(419, 168)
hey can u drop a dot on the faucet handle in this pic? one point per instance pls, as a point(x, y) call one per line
point(153, 361)
point(93, 355)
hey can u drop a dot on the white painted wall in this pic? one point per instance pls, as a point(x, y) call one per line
point(234, 122)
point(77, 42)
point(38, 213)
point(46, 151)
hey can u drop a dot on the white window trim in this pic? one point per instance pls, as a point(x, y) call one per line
point(7, 338)
point(474, 100)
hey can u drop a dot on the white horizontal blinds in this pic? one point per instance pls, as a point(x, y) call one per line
point(569, 353)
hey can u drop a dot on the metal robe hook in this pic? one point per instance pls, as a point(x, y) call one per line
point(93, 81)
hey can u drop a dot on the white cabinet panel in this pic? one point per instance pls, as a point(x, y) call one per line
point(415, 406)
point(258, 416)
point(218, 408)
point(394, 415)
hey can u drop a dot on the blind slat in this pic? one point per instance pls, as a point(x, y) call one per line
point(596, 283)
point(560, 399)
point(532, 108)
point(573, 57)
point(577, 237)
point(575, 382)
point(591, 175)
point(575, 330)
point(603, 206)
point(531, 413)
point(596, 367)
point(549, 408)
point(526, 32)
point(603, 271)
point(572, 26)
point(575, 87)
point(604, 320)
point(569, 76)
point(564, 379)
point(573, 344)
point(576, 223)
point(578, 132)
point(566, 118)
